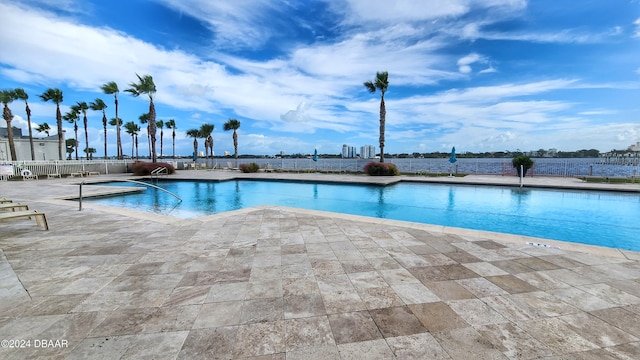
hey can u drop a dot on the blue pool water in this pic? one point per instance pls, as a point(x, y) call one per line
point(589, 217)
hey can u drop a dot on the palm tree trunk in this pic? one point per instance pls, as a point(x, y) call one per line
point(383, 115)
point(33, 152)
point(149, 141)
point(60, 134)
point(75, 128)
point(173, 151)
point(104, 124)
point(152, 129)
point(8, 116)
point(235, 145)
point(86, 136)
point(195, 149)
point(118, 139)
point(161, 140)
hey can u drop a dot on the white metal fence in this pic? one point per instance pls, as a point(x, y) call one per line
point(62, 168)
point(542, 167)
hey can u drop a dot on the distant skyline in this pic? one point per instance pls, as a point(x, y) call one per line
point(480, 75)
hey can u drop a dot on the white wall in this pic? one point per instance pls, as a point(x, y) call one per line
point(44, 149)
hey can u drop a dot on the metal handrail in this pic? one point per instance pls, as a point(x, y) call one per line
point(159, 170)
point(133, 181)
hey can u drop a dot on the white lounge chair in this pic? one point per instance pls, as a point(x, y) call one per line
point(41, 218)
point(28, 175)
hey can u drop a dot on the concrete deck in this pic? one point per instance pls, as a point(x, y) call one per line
point(284, 283)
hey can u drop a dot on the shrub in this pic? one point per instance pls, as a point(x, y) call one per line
point(381, 169)
point(145, 168)
point(249, 168)
point(523, 160)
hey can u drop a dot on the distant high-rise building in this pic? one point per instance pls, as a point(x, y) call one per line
point(348, 151)
point(368, 152)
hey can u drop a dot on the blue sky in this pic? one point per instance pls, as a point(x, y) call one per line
point(488, 75)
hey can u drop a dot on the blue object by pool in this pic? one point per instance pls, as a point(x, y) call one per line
point(589, 217)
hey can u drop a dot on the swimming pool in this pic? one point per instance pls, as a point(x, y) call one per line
point(589, 217)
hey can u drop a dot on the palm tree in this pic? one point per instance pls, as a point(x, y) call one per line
point(160, 125)
point(144, 119)
point(117, 123)
point(133, 129)
point(22, 95)
point(171, 124)
point(44, 127)
point(234, 125)
point(380, 83)
point(195, 134)
point(72, 117)
point(205, 133)
point(83, 107)
point(71, 144)
point(147, 87)
point(90, 151)
point(99, 105)
point(111, 88)
point(6, 97)
point(55, 95)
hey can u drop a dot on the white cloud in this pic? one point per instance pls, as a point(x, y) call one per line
point(297, 115)
point(464, 64)
point(488, 70)
point(385, 11)
point(70, 6)
point(381, 11)
point(492, 93)
point(628, 135)
point(234, 24)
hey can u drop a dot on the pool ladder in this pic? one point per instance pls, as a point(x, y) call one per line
point(157, 172)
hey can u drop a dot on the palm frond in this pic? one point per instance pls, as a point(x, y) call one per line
point(369, 85)
point(110, 88)
point(52, 94)
point(232, 124)
point(206, 130)
point(97, 105)
point(21, 94)
point(7, 96)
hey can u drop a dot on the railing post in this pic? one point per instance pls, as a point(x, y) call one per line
point(521, 175)
point(80, 197)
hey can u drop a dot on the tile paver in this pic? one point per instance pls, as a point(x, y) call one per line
point(289, 283)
